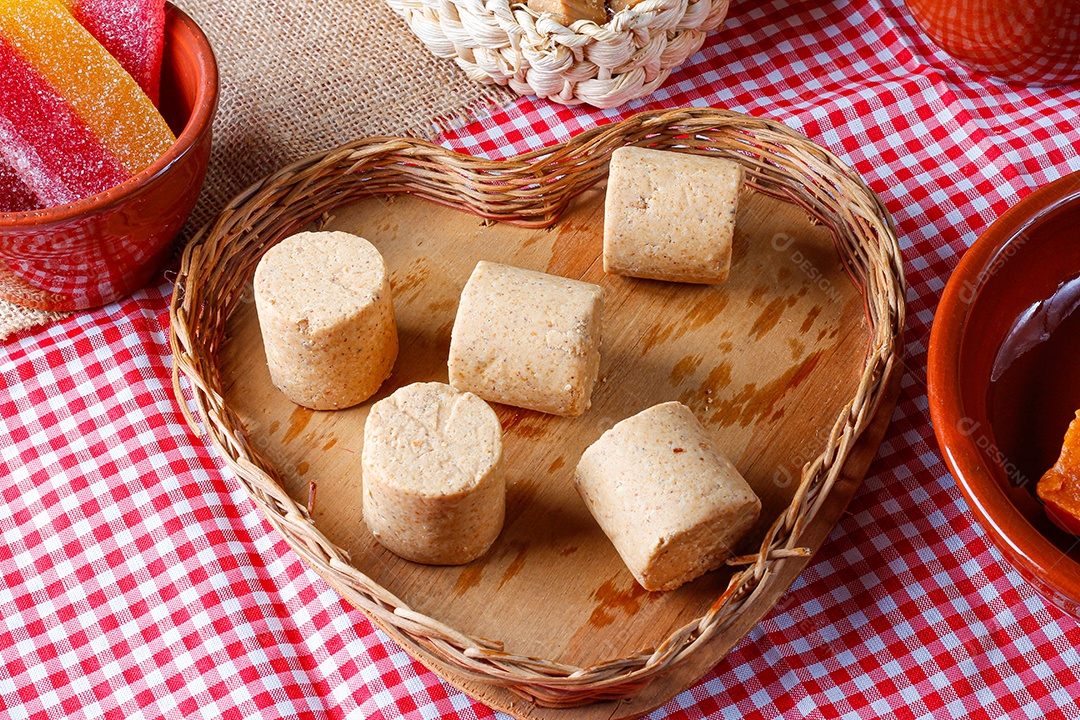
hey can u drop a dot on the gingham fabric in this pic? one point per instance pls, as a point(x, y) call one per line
point(137, 581)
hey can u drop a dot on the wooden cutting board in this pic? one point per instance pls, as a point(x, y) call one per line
point(766, 361)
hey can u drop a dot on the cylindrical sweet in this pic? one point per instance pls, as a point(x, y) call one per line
point(670, 216)
point(527, 339)
point(327, 318)
point(434, 490)
point(672, 505)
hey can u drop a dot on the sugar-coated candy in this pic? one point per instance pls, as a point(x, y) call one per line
point(1059, 488)
point(133, 31)
point(72, 121)
point(15, 196)
point(43, 141)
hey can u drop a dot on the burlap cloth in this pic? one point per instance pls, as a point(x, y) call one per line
point(299, 76)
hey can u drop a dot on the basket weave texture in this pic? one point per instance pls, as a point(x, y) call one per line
point(601, 65)
point(531, 190)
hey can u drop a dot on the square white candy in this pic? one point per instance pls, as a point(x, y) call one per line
point(672, 505)
point(527, 339)
point(670, 216)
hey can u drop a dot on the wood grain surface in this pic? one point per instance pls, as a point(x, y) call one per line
point(766, 361)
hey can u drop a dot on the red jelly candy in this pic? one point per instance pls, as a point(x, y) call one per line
point(133, 31)
point(45, 142)
point(14, 195)
point(73, 122)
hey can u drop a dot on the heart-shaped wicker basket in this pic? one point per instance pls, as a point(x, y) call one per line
point(497, 41)
point(532, 190)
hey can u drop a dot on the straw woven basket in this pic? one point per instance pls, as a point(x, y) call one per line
point(531, 190)
point(601, 65)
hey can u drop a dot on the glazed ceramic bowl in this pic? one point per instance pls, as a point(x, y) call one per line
point(99, 249)
point(1036, 41)
point(1003, 379)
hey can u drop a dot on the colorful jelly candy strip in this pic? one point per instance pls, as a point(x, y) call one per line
point(23, 159)
point(15, 196)
point(133, 31)
point(88, 78)
point(44, 142)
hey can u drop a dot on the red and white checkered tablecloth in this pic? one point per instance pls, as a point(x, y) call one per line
point(138, 581)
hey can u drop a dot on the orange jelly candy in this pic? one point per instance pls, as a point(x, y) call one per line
point(133, 31)
point(1059, 488)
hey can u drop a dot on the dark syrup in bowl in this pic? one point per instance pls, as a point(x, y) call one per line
point(1034, 394)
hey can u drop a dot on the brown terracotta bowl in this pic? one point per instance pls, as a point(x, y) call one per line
point(1003, 380)
point(91, 252)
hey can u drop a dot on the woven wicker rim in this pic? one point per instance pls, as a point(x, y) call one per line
point(506, 42)
point(530, 190)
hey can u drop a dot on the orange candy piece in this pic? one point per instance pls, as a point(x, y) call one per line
point(90, 80)
point(133, 31)
point(1059, 488)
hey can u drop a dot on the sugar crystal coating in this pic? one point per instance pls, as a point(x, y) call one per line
point(82, 72)
point(15, 196)
point(44, 142)
point(133, 31)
